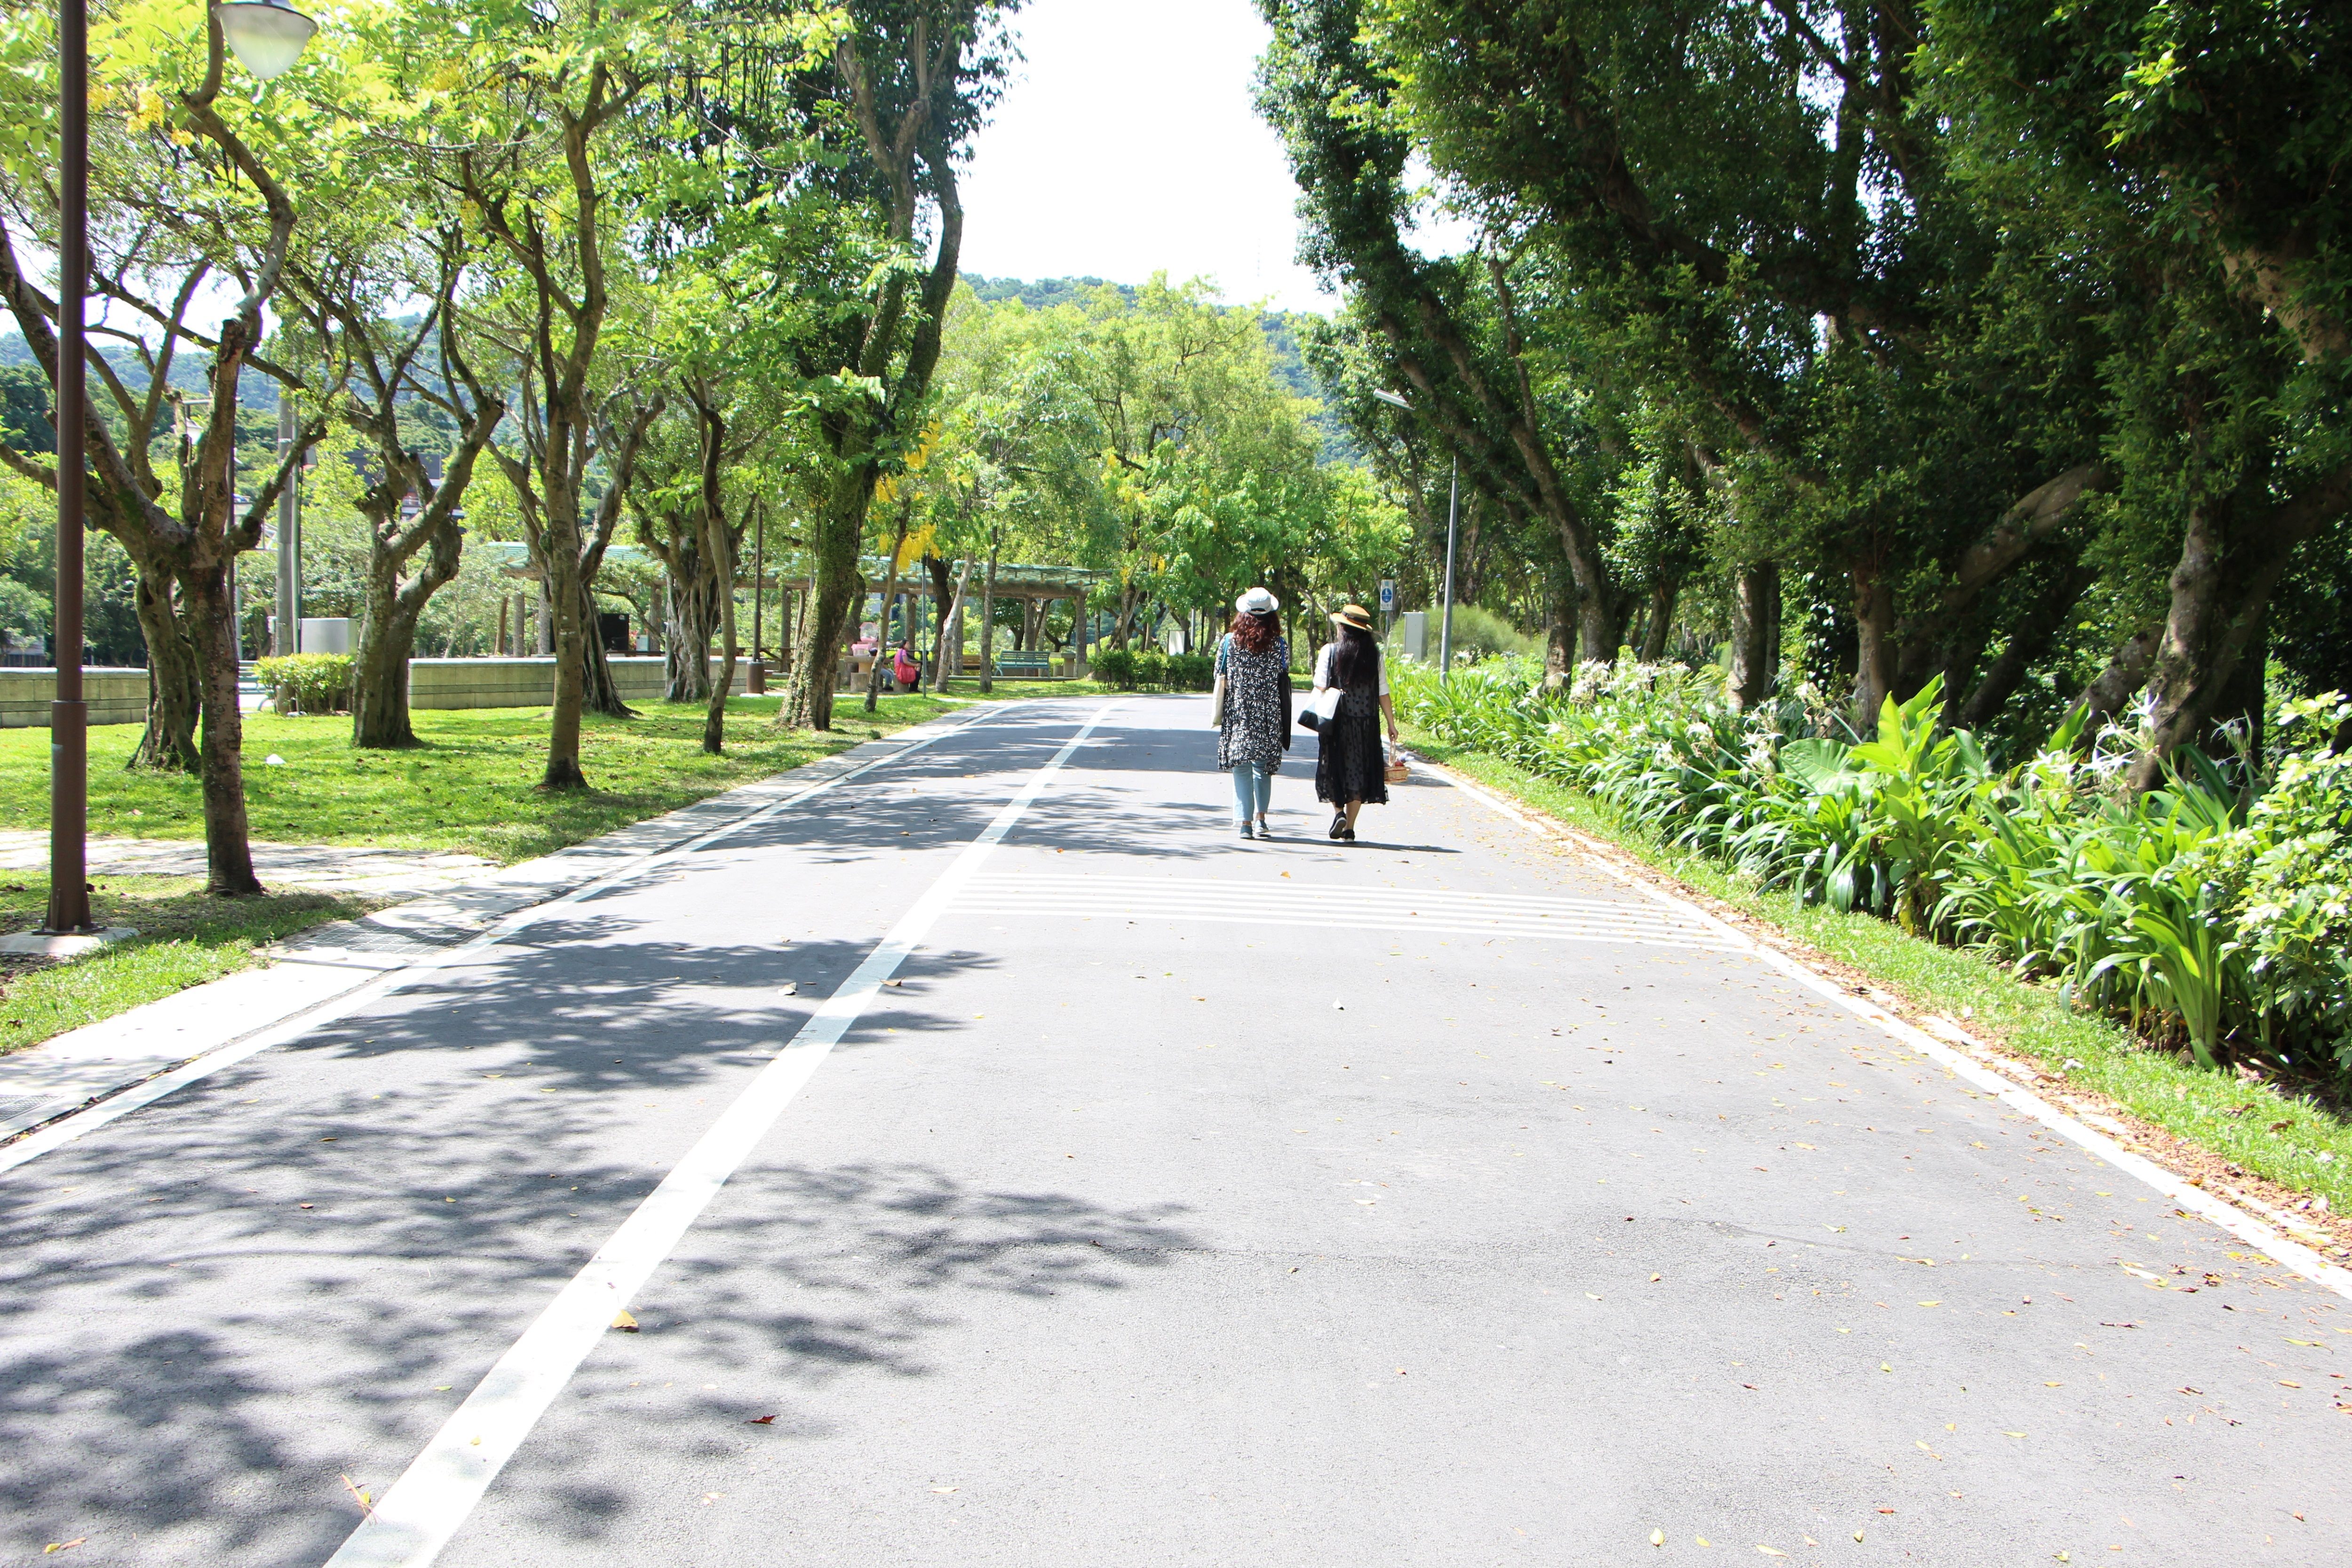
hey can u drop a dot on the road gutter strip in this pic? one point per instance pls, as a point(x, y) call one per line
point(2292, 1253)
point(31, 1142)
point(424, 1509)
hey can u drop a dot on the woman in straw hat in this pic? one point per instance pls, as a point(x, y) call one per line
point(1352, 767)
point(1253, 715)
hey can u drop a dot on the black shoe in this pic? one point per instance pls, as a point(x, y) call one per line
point(1347, 835)
point(1339, 823)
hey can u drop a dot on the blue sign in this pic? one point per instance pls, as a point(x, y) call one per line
point(1388, 594)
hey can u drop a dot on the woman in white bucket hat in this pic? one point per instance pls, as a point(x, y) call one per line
point(1253, 707)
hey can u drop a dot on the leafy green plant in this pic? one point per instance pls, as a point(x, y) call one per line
point(2191, 913)
point(1115, 667)
point(310, 682)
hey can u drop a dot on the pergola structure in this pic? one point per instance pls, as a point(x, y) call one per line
point(1037, 585)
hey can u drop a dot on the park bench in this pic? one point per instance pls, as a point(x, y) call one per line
point(1030, 664)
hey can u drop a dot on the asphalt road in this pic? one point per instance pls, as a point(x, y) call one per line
point(1428, 1199)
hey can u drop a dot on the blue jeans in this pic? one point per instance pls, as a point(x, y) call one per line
point(1253, 791)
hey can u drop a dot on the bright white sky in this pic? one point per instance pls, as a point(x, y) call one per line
point(1127, 146)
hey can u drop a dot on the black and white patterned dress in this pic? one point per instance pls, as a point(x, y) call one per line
point(1257, 714)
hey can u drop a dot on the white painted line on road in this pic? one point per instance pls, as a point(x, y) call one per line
point(2294, 1254)
point(81, 1124)
point(418, 1517)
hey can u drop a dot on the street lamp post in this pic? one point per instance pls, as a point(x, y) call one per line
point(68, 912)
point(267, 37)
point(1452, 516)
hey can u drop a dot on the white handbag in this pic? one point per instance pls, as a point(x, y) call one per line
point(1321, 708)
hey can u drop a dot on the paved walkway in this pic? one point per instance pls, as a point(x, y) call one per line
point(999, 1163)
point(312, 867)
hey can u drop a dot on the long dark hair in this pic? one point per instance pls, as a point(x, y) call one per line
point(1255, 630)
point(1356, 666)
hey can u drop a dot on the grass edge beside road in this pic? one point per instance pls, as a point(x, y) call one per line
point(187, 939)
point(184, 939)
point(2235, 1124)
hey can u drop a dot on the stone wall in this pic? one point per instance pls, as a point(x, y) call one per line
point(115, 697)
point(529, 682)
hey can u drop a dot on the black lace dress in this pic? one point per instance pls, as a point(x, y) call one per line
point(1257, 704)
point(1351, 763)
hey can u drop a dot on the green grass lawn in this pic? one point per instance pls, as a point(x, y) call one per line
point(184, 939)
point(2291, 1139)
point(471, 786)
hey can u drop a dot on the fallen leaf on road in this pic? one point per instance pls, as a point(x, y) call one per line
point(1590, 1293)
point(63, 1546)
point(760, 1421)
point(1653, 1278)
point(328, 1139)
point(2054, 1385)
point(1884, 1366)
point(894, 982)
point(1857, 1535)
point(625, 1323)
point(1657, 1537)
point(943, 1490)
point(788, 988)
point(366, 1507)
point(1769, 1552)
point(1931, 1303)
point(1886, 1510)
point(2012, 1434)
point(2283, 1383)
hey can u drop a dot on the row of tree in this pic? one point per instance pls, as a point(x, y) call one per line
point(540, 228)
point(1921, 337)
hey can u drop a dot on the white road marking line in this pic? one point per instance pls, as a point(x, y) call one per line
point(2297, 1257)
point(81, 1124)
point(416, 1519)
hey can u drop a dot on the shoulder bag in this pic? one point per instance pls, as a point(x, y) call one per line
point(1217, 693)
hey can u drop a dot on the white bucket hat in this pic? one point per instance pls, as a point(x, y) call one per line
point(1257, 602)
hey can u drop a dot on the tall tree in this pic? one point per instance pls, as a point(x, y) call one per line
point(914, 79)
point(183, 199)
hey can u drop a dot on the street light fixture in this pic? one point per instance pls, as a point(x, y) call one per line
point(1453, 513)
point(266, 39)
point(266, 36)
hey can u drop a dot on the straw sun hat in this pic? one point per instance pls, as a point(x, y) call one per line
point(1354, 615)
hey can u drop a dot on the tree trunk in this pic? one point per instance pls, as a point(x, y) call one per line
point(380, 676)
point(1874, 674)
point(212, 623)
point(1559, 628)
point(388, 637)
point(1663, 594)
point(889, 594)
point(950, 617)
point(987, 616)
point(2125, 673)
point(694, 615)
point(2032, 639)
point(835, 536)
point(1755, 634)
point(174, 682)
point(561, 595)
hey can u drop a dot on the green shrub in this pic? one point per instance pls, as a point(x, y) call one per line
point(309, 682)
point(1115, 666)
point(1478, 635)
point(2202, 919)
point(1189, 672)
point(1150, 669)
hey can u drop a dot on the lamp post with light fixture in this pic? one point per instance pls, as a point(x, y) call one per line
point(1453, 512)
point(266, 39)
